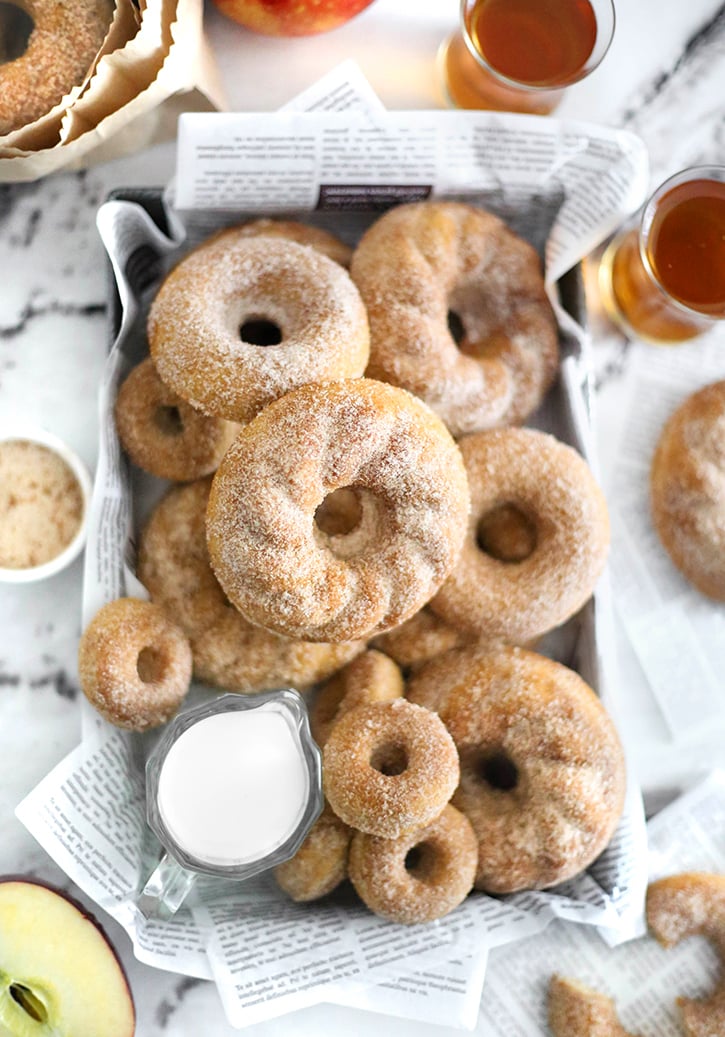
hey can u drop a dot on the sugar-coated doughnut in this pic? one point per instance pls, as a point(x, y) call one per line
point(527, 490)
point(370, 677)
point(229, 652)
point(134, 664)
point(421, 875)
point(692, 904)
point(284, 572)
point(542, 768)
point(421, 638)
point(419, 264)
point(687, 485)
point(576, 1010)
point(320, 864)
point(62, 46)
point(238, 323)
point(164, 434)
point(302, 233)
point(389, 767)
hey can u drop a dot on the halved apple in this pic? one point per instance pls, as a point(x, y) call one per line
point(59, 975)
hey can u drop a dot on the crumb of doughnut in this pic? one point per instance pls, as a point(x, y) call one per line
point(687, 489)
point(692, 904)
point(371, 677)
point(421, 875)
point(389, 768)
point(576, 1010)
point(134, 664)
point(320, 864)
point(41, 504)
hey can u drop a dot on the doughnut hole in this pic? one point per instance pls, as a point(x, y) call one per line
point(421, 862)
point(492, 768)
point(507, 534)
point(389, 759)
point(16, 27)
point(340, 512)
point(151, 665)
point(455, 327)
point(260, 331)
point(168, 421)
point(350, 522)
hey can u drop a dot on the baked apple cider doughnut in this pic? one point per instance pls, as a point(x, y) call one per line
point(542, 768)
point(63, 43)
point(692, 904)
point(458, 313)
point(371, 677)
point(163, 434)
point(228, 651)
point(302, 233)
point(134, 664)
point(576, 1010)
point(537, 539)
point(320, 864)
point(389, 768)
point(421, 875)
point(688, 489)
point(242, 320)
point(280, 569)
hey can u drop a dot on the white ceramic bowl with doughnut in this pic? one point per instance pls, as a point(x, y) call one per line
point(20, 432)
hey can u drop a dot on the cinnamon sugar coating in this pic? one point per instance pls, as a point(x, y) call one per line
point(692, 904)
point(389, 767)
point(163, 434)
point(274, 561)
point(134, 664)
point(320, 864)
point(420, 639)
point(291, 230)
point(371, 677)
point(542, 768)
point(418, 263)
point(65, 39)
point(242, 320)
point(421, 875)
point(576, 1010)
point(562, 515)
point(229, 652)
point(687, 489)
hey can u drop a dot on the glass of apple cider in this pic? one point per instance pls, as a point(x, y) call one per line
point(520, 55)
point(664, 281)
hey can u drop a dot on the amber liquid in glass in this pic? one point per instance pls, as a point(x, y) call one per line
point(685, 249)
point(538, 43)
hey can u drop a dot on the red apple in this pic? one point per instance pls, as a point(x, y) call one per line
point(291, 17)
point(59, 976)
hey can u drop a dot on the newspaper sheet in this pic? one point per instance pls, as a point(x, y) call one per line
point(267, 954)
point(677, 633)
point(644, 979)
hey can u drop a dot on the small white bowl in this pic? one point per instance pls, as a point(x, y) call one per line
point(35, 434)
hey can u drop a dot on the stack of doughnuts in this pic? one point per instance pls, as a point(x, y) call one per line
point(354, 505)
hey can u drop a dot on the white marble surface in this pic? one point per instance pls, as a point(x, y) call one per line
point(663, 78)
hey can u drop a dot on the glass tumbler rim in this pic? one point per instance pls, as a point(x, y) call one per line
point(539, 88)
point(682, 176)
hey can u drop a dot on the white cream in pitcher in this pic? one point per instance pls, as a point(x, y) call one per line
point(234, 786)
